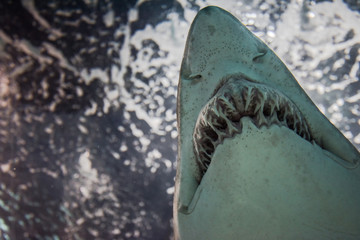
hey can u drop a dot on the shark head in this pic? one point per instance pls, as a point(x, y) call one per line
point(229, 78)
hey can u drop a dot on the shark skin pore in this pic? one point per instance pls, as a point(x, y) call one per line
point(257, 159)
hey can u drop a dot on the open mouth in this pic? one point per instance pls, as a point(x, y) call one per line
point(237, 97)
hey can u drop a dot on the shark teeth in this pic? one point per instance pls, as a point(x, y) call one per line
point(236, 98)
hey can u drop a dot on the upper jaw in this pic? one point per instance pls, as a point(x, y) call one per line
point(219, 45)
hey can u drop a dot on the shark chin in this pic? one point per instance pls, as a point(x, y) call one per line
point(257, 159)
point(270, 183)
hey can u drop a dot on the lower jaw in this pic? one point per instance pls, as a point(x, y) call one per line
point(269, 183)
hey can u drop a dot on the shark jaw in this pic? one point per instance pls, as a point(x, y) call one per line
point(237, 97)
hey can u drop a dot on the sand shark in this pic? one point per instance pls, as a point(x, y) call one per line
point(257, 159)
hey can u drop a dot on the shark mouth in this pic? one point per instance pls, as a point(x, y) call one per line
point(237, 97)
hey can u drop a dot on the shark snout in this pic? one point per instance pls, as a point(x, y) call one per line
point(219, 45)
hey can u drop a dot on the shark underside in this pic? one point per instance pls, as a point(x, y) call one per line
point(257, 159)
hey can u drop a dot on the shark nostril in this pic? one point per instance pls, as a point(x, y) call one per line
point(195, 76)
point(257, 58)
point(261, 52)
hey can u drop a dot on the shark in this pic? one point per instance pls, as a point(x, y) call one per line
point(256, 157)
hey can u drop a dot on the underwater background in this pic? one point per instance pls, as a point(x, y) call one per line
point(88, 138)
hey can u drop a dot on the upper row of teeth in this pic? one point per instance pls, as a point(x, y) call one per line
point(220, 118)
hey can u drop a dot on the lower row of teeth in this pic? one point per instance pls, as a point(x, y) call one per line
point(221, 116)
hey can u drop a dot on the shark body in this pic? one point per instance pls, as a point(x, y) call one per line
point(257, 159)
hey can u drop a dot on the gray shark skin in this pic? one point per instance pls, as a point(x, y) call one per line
point(257, 159)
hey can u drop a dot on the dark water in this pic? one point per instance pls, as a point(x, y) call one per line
point(88, 109)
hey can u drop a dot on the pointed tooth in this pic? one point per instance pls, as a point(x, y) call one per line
point(248, 99)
